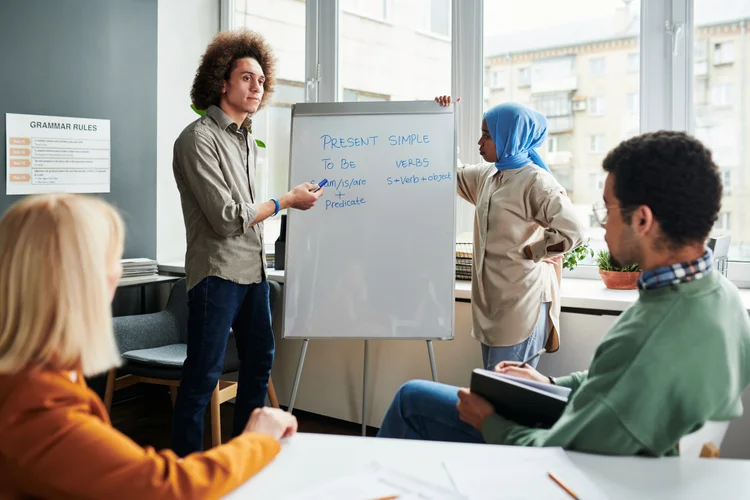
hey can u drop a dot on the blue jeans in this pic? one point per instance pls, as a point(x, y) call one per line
point(427, 411)
point(215, 306)
point(491, 356)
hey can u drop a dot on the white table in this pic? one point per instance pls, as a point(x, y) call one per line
point(308, 459)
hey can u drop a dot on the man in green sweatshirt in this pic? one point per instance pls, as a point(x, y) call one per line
point(679, 356)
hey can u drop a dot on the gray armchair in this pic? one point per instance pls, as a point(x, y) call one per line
point(154, 347)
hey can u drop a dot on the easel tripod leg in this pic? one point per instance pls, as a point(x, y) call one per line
point(297, 375)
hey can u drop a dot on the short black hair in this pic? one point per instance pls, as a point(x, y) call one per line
point(675, 176)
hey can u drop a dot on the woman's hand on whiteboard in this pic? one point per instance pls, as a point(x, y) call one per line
point(302, 197)
point(445, 100)
point(272, 422)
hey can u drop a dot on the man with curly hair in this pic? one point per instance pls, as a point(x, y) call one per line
point(677, 358)
point(214, 167)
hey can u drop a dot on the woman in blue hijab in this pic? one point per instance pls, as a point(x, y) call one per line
point(523, 220)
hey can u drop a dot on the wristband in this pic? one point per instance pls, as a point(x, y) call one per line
point(276, 202)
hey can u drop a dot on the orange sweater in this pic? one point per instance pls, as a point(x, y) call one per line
point(56, 441)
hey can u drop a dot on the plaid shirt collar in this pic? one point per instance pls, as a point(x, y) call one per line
point(676, 273)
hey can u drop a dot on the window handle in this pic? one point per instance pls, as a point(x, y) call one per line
point(675, 31)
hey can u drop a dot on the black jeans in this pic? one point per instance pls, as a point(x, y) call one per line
point(215, 305)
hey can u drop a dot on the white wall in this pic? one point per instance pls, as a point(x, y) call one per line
point(185, 27)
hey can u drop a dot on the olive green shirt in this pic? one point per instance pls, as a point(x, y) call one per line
point(214, 167)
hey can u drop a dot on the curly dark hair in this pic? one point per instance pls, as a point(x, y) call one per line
point(218, 62)
point(674, 175)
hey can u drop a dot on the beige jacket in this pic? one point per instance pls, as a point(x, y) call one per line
point(515, 208)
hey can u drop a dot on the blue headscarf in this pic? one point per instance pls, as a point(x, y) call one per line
point(516, 131)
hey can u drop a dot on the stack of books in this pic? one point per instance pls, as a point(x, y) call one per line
point(138, 267)
point(463, 261)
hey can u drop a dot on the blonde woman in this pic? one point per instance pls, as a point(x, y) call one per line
point(59, 268)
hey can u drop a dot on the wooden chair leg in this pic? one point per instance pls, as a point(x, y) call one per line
point(173, 394)
point(215, 417)
point(272, 394)
point(109, 390)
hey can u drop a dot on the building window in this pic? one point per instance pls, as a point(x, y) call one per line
point(700, 58)
point(634, 103)
point(551, 144)
point(721, 95)
point(596, 66)
point(596, 106)
point(499, 79)
point(723, 53)
point(439, 17)
point(550, 70)
point(724, 222)
point(634, 62)
point(555, 104)
point(726, 179)
point(524, 77)
point(596, 143)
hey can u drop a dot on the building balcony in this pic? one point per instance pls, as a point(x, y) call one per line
point(562, 84)
point(558, 124)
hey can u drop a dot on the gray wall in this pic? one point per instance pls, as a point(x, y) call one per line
point(90, 59)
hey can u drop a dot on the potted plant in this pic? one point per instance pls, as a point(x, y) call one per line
point(615, 276)
point(574, 257)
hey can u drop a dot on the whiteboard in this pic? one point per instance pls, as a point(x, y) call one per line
point(375, 257)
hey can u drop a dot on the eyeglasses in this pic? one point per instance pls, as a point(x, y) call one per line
point(601, 212)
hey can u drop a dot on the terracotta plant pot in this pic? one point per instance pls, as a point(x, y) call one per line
point(620, 281)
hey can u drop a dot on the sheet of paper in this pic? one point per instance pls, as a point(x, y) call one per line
point(377, 483)
point(525, 478)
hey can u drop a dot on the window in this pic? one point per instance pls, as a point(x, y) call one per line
point(596, 66)
point(437, 16)
point(596, 106)
point(272, 125)
point(634, 62)
point(552, 104)
point(720, 121)
point(723, 53)
point(499, 79)
point(398, 60)
point(634, 103)
point(524, 77)
point(555, 71)
point(597, 183)
point(596, 143)
point(721, 95)
point(374, 9)
point(700, 57)
point(580, 58)
point(552, 144)
point(724, 222)
point(726, 179)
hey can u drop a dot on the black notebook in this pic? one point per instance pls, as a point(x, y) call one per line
point(523, 401)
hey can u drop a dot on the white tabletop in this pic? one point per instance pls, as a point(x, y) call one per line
point(307, 460)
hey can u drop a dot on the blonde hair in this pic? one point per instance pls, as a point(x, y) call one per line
point(56, 255)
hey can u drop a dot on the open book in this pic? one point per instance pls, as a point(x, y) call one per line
point(526, 402)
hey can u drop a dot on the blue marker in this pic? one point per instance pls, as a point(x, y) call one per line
point(320, 185)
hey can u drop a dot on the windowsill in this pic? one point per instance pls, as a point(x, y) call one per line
point(576, 293)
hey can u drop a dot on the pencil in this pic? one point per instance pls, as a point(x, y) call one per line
point(561, 485)
point(532, 358)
